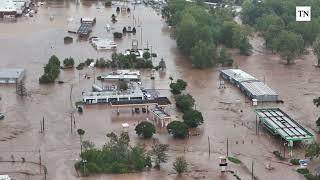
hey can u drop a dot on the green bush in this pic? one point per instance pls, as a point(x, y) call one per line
point(68, 62)
point(234, 160)
point(303, 171)
point(80, 66)
point(180, 165)
point(311, 177)
point(295, 161)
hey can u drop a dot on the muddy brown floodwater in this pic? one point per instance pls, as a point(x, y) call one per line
point(29, 42)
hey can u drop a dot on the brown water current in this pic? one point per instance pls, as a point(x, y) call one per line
point(29, 42)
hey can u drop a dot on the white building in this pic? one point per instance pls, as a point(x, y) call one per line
point(11, 76)
point(134, 92)
point(4, 177)
point(122, 75)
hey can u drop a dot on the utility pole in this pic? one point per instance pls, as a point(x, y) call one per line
point(227, 147)
point(43, 125)
point(40, 160)
point(209, 145)
point(252, 170)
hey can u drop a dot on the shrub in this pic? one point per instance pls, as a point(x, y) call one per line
point(180, 165)
point(68, 62)
point(295, 161)
point(234, 160)
point(146, 129)
point(303, 171)
point(80, 66)
point(178, 129)
point(88, 61)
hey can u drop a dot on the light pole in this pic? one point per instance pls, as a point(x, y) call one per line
point(84, 166)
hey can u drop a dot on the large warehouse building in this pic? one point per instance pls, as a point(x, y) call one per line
point(249, 85)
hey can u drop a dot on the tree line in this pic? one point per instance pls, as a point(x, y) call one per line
point(282, 33)
point(200, 30)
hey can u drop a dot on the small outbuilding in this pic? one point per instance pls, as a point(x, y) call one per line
point(11, 76)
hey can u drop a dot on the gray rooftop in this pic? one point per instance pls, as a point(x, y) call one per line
point(238, 75)
point(258, 88)
point(11, 73)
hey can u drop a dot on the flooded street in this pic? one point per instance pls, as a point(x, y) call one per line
point(29, 42)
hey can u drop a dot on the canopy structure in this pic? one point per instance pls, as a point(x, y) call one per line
point(280, 123)
point(160, 114)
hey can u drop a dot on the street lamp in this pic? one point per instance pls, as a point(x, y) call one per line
point(84, 166)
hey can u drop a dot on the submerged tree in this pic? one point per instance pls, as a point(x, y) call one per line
point(193, 118)
point(313, 150)
point(159, 152)
point(80, 133)
point(316, 49)
point(180, 165)
point(178, 129)
point(146, 129)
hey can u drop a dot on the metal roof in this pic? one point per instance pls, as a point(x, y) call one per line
point(258, 88)
point(11, 73)
point(160, 113)
point(238, 75)
point(278, 122)
point(85, 29)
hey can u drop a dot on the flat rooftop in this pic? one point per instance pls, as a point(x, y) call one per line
point(11, 73)
point(161, 101)
point(279, 123)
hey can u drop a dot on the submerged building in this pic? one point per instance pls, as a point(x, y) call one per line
point(249, 85)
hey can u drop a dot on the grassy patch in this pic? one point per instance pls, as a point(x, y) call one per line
point(294, 161)
point(303, 171)
point(234, 160)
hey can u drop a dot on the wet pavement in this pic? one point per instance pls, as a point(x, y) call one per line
point(29, 42)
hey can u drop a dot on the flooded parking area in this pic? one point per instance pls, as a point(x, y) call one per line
point(29, 42)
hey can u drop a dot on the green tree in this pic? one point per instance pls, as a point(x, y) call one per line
point(316, 49)
point(87, 145)
point(225, 57)
point(146, 129)
point(290, 45)
point(146, 55)
point(263, 23)
point(203, 55)
point(178, 129)
point(180, 165)
point(193, 118)
point(80, 133)
point(184, 102)
point(179, 86)
point(159, 151)
point(313, 150)
point(54, 60)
